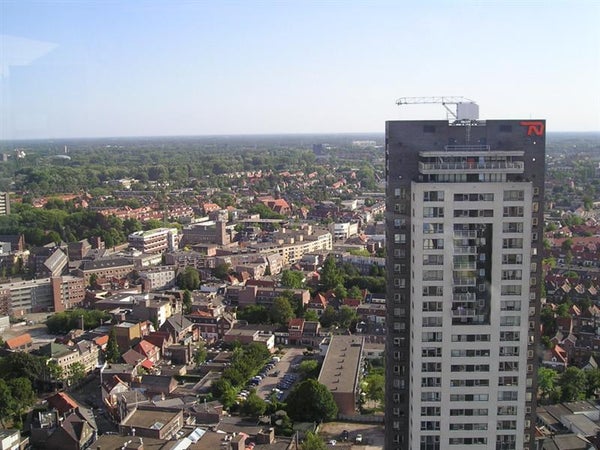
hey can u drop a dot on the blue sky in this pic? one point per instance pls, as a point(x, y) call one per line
point(147, 68)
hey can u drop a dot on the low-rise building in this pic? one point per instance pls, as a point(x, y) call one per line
point(157, 240)
point(341, 371)
point(152, 422)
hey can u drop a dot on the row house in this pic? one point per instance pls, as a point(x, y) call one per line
point(254, 295)
point(211, 327)
point(180, 328)
point(104, 268)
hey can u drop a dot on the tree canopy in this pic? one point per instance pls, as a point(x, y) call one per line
point(311, 401)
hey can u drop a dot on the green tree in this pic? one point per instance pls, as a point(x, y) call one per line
point(253, 406)
point(22, 364)
point(254, 314)
point(189, 279)
point(572, 384)
point(309, 368)
point(292, 279)
point(331, 276)
point(7, 402)
point(312, 441)
point(346, 316)
point(375, 387)
point(281, 311)
point(311, 315)
point(311, 401)
point(328, 317)
point(200, 355)
point(592, 382)
point(112, 348)
point(187, 301)
point(22, 393)
point(76, 373)
point(221, 271)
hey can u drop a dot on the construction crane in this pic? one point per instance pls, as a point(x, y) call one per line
point(466, 109)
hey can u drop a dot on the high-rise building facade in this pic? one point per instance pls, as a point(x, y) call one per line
point(464, 241)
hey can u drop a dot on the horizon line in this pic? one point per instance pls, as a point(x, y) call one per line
point(230, 135)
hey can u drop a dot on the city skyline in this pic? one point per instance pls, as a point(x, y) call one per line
point(86, 69)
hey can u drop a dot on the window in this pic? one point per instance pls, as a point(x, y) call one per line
point(508, 366)
point(399, 238)
point(513, 274)
point(432, 321)
point(433, 260)
point(432, 228)
point(400, 223)
point(433, 275)
point(470, 338)
point(514, 195)
point(432, 307)
point(468, 426)
point(431, 367)
point(469, 383)
point(403, 193)
point(433, 352)
point(400, 282)
point(510, 289)
point(486, 197)
point(430, 425)
point(433, 244)
point(512, 243)
point(509, 351)
point(469, 397)
point(469, 412)
point(431, 396)
point(510, 321)
point(507, 410)
point(470, 368)
point(512, 227)
point(433, 211)
point(467, 441)
point(431, 382)
point(512, 258)
point(513, 211)
point(431, 336)
point(508, 381)
point(508, 396)
point(433, 196)
point(510, 305)
point(469, 353)
point(433, 291)
point(430, 411)
point(400, 268)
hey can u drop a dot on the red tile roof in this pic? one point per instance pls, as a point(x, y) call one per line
point(18, 341)
point(101, 340)
point(62, 402)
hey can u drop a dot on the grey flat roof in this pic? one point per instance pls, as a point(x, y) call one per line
point(342, 363)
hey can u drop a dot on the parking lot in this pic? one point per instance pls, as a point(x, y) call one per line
point(372, 435)
point(279, 375)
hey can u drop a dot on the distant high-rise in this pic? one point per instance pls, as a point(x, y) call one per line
point(464, 240)
point(4, 203)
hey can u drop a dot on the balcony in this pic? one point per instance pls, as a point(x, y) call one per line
point(465, 250)
point(465, 281)
point(464, 312)
point(472, 167)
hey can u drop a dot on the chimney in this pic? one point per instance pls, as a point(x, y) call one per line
point(239, 442)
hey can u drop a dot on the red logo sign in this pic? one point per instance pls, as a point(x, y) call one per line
point(534, 127)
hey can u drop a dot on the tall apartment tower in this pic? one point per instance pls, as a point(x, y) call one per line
point(464, 241)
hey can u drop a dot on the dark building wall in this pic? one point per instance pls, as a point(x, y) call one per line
point(404, 140)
